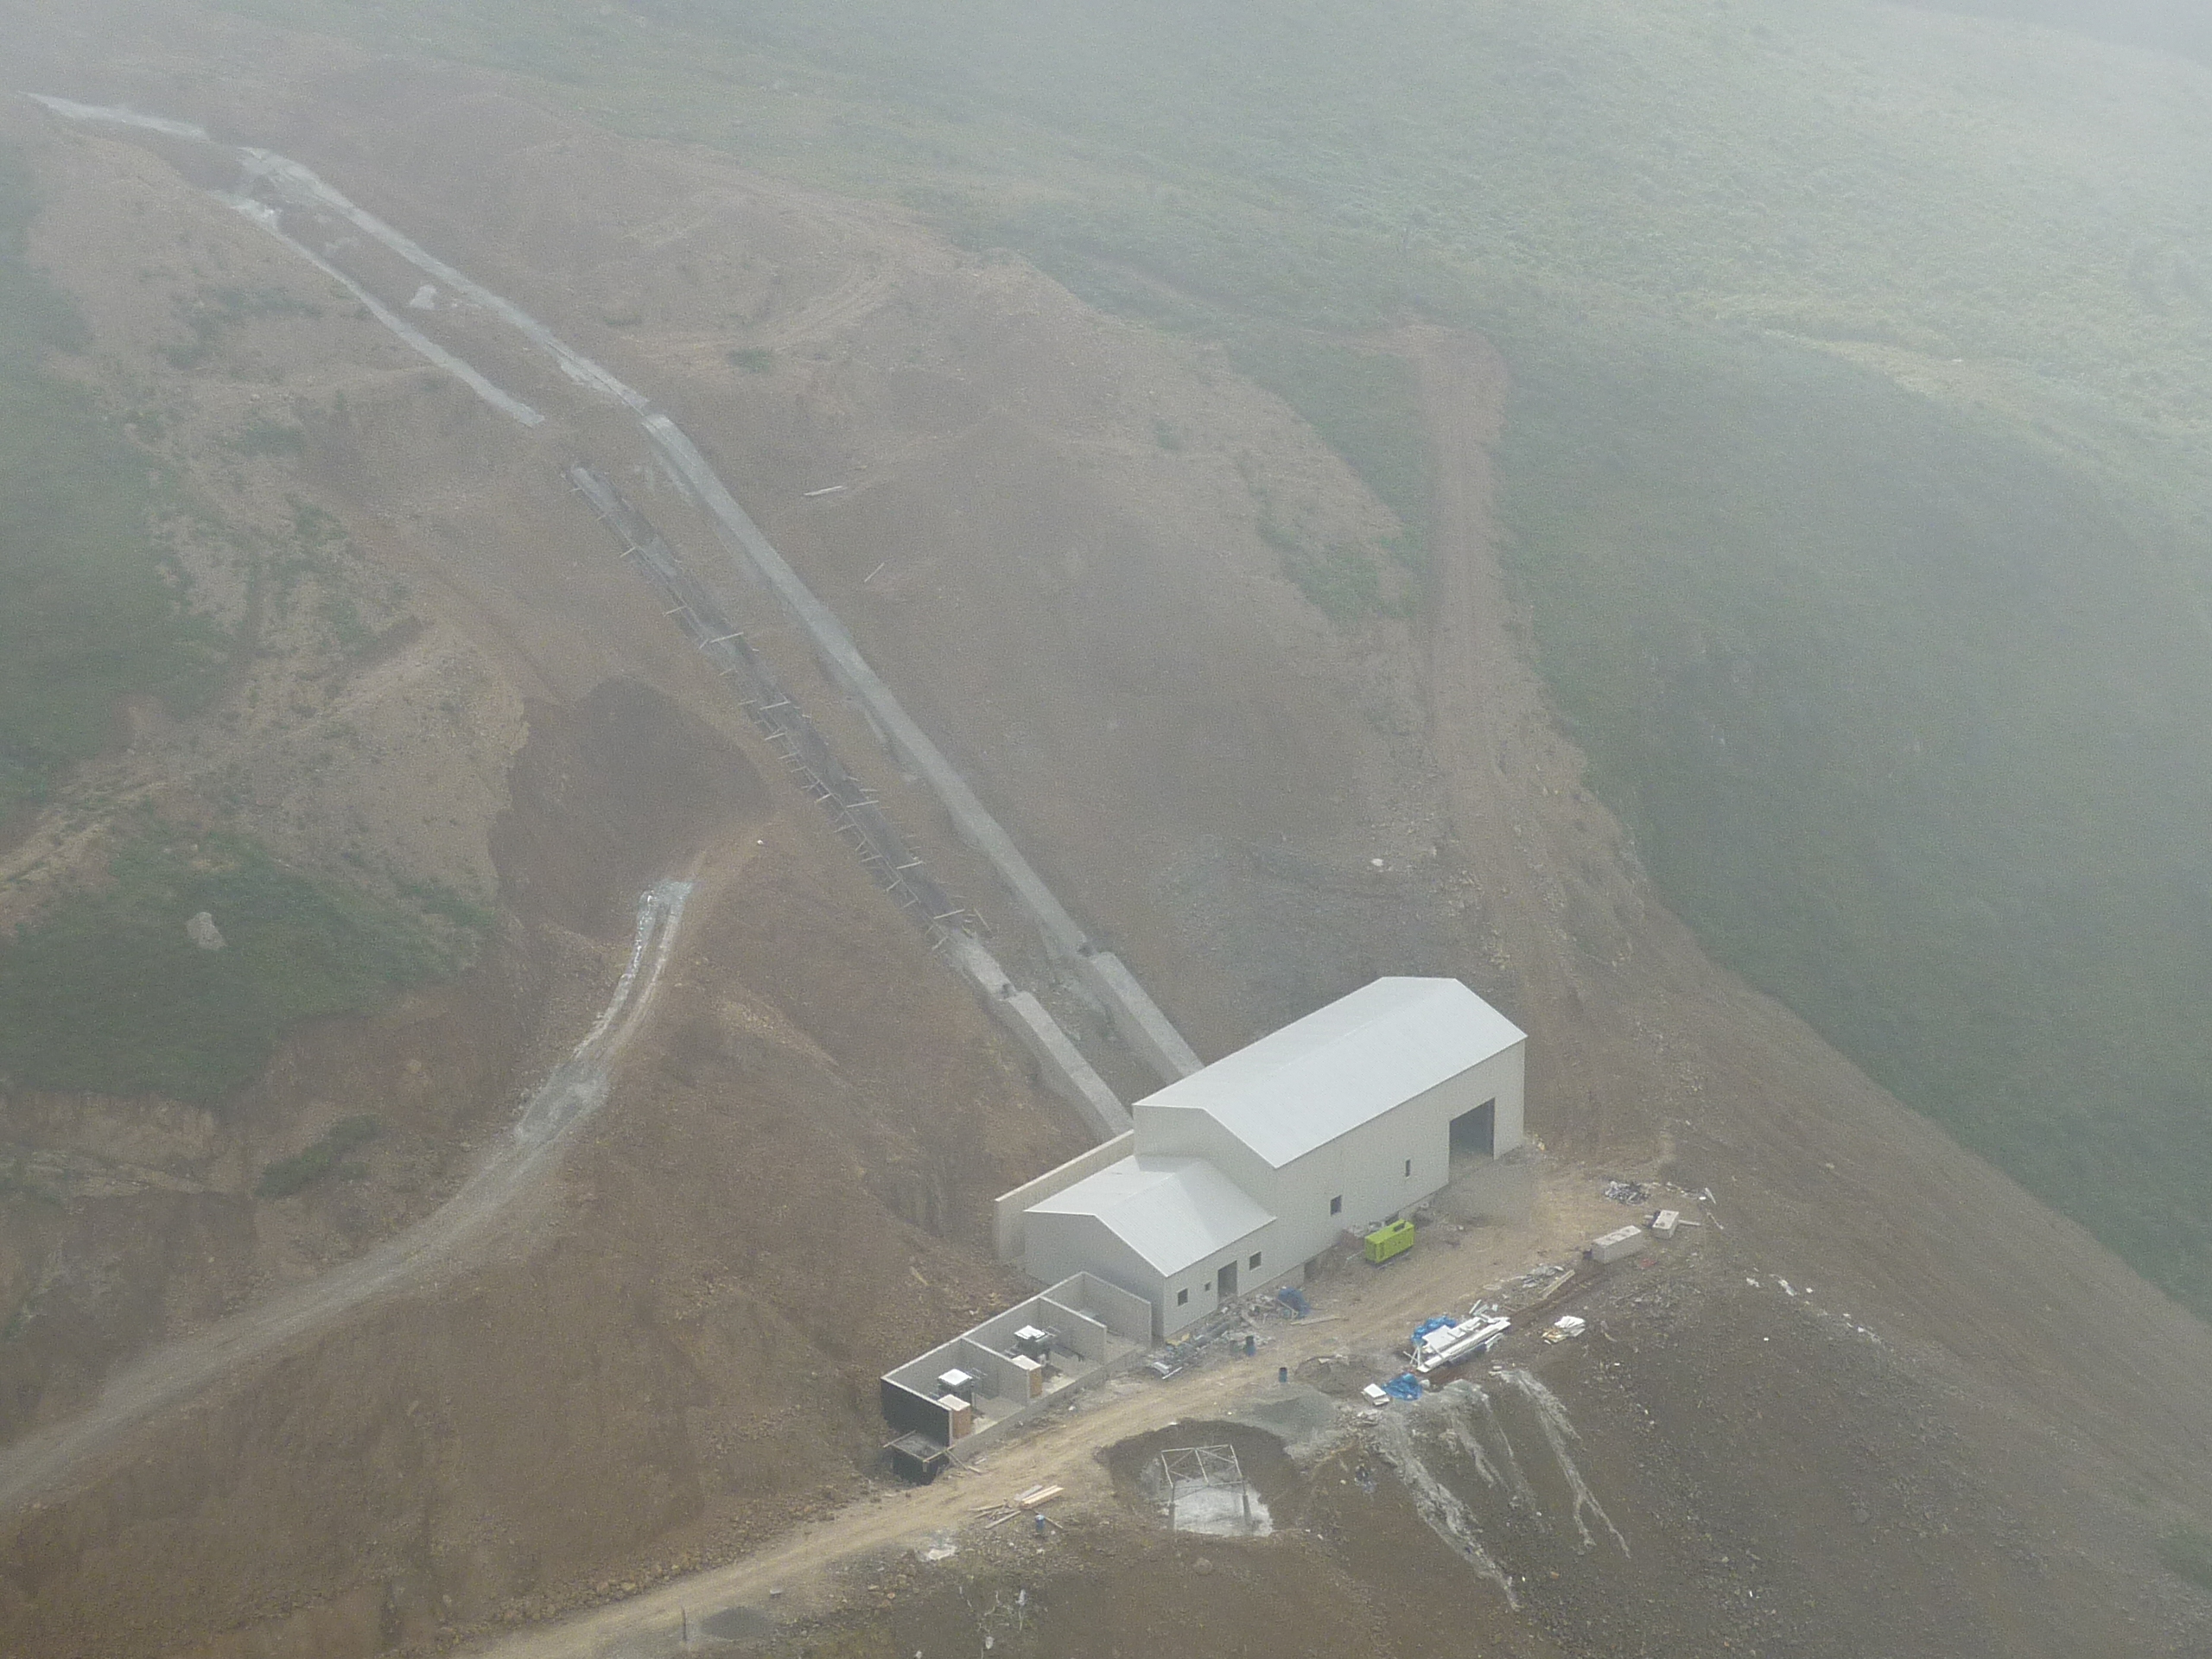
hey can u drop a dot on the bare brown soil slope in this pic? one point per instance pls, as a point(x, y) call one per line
point(672, 1355)
point(788, 1191)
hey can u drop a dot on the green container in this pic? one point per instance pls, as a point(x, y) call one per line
point(1394, 1238)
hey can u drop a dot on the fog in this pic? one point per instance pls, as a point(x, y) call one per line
point(1076, 535)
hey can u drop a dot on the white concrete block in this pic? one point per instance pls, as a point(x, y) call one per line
point(1622, 1241)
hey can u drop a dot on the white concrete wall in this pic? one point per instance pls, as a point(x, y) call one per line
point(1126, 1315)
point(921, 1372)
point(1006, 1209)
point(1184, 1131)
point(1366, 1166)
point(1510, 1079)
point(1200, 1280)
point(1073, 1329)
point(1056, 1247)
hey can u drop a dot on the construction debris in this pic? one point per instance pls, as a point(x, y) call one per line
point(1404, 1386)
point(1239, 1322)
point(1027, 1503)
point(1539, 1280)
point(1438, 1350)
point(1567, 1327)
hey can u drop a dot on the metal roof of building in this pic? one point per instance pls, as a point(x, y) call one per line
point(1303, 1086)
point(1172, 1211)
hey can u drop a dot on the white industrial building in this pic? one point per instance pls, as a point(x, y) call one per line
point(1238, 1174)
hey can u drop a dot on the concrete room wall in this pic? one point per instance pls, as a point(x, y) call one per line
point(1056, 1246)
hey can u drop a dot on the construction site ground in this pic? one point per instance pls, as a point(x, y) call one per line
point(1639, 1537)
point(1359, 1312)
point(659, 1360)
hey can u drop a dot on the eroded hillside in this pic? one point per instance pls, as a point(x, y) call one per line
point(1061, 539)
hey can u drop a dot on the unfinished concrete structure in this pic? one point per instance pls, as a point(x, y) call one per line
point(963, 1393)
point(1238, 1174)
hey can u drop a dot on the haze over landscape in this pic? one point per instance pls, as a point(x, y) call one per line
point(580, 582)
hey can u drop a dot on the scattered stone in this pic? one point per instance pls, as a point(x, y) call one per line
point(202, 932)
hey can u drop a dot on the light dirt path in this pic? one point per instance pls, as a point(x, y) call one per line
point(1472, 711)
point(176, 1371)
point(1360, 1311)
point(1559, 910)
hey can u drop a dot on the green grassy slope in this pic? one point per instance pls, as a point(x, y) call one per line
point(1910, 722)
point(2178, 26)
point(87, 613)
point(1856, 469)
point(106, 991)
point(102, 990)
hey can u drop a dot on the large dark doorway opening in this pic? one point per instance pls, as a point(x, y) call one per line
point(1224, 1281)
point(1476, 1131)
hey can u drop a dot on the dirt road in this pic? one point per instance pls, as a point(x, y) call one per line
point(170, 1374)
point(1360, 1311)
point(1552, 899)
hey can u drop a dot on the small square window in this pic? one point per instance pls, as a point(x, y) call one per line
point(1337, 1206)
point(1255, 1261)
point(1182, 1297)
point(1207, 1286)
point(1409, 1165)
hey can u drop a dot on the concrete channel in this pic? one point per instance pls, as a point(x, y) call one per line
point(859, 817)
point(271, 185)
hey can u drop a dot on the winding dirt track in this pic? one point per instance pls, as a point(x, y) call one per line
point(179, 1370)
